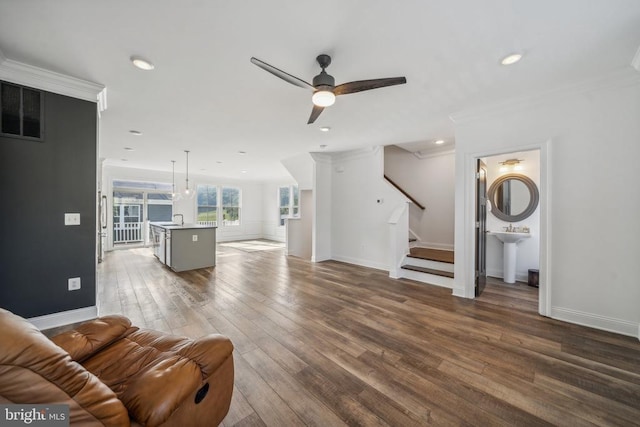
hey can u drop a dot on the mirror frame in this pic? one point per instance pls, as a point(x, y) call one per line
point(534, 197)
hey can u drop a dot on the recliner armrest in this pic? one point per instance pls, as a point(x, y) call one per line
point(156, 373)
point(94, 335)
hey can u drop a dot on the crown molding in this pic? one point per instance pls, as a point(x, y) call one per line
point(635, 62)
point(323, 158)
point(50, 81)
point(624, 77)
point(358, 153)
point(424, 154)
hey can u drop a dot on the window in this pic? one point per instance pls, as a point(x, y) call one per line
point(137, 203)
point(207, 196)
point(230, 206)
point(21, 111)
point(295, 203)
point(288, 199)
point(159, 207)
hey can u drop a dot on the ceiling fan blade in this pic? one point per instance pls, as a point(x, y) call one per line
point(314, 114)
point(279, 73)
point(361, 85)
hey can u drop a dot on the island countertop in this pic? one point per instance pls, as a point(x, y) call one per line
point(174, 226)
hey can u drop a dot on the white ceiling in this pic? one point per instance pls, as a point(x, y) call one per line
point(205, 95)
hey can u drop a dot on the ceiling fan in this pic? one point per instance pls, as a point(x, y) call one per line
point(324, 88)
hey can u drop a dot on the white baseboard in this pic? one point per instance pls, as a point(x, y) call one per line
point(62, 318)
point(596, 321)
point(458, 292)
point(361, 262)
point(520, 277)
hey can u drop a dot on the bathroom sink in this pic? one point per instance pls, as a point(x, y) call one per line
point(509, 236)
point(510, 240)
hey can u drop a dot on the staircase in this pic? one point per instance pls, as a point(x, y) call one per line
point(431, 266)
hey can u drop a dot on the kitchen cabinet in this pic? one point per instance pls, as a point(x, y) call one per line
point(184, 247)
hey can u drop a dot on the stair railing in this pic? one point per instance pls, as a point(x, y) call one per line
point(407, 195)
point(398, 239)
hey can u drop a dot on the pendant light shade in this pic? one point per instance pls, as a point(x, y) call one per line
point(188, 193)
point(174, 194)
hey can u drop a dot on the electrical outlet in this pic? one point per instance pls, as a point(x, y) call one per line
point(72, 219)
point(194, 237)
point(74, 283)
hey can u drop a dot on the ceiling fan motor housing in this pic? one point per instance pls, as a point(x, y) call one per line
point(323, 79)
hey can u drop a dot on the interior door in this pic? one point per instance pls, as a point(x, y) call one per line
point(481, 226)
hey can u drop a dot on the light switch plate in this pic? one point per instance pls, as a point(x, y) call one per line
point(72, 219)
point(194, 237)
point(74, 283)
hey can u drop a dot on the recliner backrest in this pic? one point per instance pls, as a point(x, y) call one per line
point(34, 370)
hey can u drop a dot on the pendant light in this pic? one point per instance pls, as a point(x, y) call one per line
point(188, 192)
point(174, 195)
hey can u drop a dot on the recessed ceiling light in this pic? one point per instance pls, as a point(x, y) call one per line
point(440, 141)
point(244, 171)
point(128, 148)
point(511, 59)
point(143, 64)
point(325, 129)
point(135, 132)
point(218, 162)
point(242, 153)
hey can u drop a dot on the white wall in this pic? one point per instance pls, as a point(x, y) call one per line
point(299, 236)
point(589, 218)
point(359, 228)
point(271, 228)
point(322, 208)
point(251, 210)
point(528, 250)
point(431, 181)
point(301, 169)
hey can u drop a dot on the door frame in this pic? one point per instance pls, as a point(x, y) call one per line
point(480, 274)
point(465, 256)
point(146, 238)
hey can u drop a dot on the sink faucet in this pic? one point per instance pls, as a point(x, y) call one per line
point(509, 229)
point(181, 218)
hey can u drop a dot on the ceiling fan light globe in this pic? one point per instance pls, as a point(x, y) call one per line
point(323, 98)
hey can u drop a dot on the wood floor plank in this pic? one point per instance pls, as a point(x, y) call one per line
point(310, 410)
point(332, 343)
point(273, 411)
point(240, 411)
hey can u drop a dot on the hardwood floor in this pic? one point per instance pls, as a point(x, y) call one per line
point(332, 344)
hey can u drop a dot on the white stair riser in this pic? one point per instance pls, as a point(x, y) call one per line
point(434, 265)
point(431, 279)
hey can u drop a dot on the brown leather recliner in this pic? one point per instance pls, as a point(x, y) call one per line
point(113, 374)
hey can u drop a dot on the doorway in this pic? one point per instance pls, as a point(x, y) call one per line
point(466, 257)
point(135, 205)
point(513, 200)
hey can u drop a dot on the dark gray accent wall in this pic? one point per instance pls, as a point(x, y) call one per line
point(39, 183)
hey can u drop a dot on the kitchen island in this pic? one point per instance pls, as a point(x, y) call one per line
point(183, 247)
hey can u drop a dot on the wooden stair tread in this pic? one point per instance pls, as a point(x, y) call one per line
point(431, 254)
point(428, 270)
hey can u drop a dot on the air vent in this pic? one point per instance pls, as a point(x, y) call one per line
point(22, 111)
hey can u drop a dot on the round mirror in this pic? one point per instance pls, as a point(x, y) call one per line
point(513, 197)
